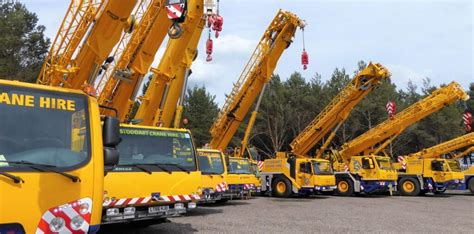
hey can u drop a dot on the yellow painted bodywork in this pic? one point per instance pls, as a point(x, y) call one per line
point(25, 203)
point(422, 167)
point(240, 178)
point(136, 58)
point(121, 184)
point(301, 179)
point(372, 174)
point(211, 181)
point(104, 35)
point(168, 67)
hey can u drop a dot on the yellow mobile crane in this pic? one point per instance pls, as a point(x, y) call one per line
point(359, 169)
point(98, 30)
point(277, 37)
point(53, 149)
point(157, 175)
point(453, 163)
point(295, 172)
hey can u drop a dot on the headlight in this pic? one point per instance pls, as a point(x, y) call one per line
point(84, 208)
point(112, 212)
point(77, 222)
point(57, 224)
point(179, 206)
point(129, 210)
point(192, 205)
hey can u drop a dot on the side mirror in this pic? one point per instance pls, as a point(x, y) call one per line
point(111, 132)
point(111, 157)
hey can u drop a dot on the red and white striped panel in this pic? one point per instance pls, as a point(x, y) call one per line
point(402, 161)
point(175, 11)
point(249, 186)
point(145, 200)
point(260, 165)
point(221, 187)
point(67, 212)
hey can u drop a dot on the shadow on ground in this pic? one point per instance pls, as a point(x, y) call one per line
point(148, 228)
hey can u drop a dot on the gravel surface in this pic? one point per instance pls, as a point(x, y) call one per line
point(447, 213)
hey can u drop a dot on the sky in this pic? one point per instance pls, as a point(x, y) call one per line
point(414, 39)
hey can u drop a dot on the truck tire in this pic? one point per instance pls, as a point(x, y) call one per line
point(409, 187)
point(281, 187)
point(470, 185)
point(345, 187)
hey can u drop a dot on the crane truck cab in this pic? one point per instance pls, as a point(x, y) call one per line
point(286, 175)
point(53, 148)
point(214, 175)
point(365, 174)
point(241, 178)
point(418, 176)
point(157, 175)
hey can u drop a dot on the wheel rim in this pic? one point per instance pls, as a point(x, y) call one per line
point(343, 186)
point(408, 186)
point(281, 187)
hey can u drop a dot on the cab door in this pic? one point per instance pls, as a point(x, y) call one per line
point(304, 174)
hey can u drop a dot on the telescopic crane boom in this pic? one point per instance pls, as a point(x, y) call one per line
point(255, 75)
point(445, 147)
point(119, 85)
point(168, 67)
point(338, 110)
point(111, 19)
point(464, 153)
point(388, 130)
point(79, 16)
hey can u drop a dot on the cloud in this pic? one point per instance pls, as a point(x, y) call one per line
point(233, 44)
point(402, 74)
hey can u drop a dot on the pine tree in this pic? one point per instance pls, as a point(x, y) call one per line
point(23, 46)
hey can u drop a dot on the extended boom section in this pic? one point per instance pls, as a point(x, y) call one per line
point(256, 73)
point(79, 16)
point(334, 114)
point(119, 86)
point(168, 67)
point(391, 128)
point(446, 147)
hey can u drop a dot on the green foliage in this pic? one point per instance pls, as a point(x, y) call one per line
point(23, 46)
point(200, 109)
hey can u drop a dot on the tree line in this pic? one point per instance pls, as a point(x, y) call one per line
point(289, 105)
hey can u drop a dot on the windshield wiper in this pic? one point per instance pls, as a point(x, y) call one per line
point(177, 166)
point(45, 168)
point(15, 179)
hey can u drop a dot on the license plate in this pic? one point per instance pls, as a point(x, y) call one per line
point(158, 209)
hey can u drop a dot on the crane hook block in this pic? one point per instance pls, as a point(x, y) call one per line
point(218, 21)
point(304, 59)
point(209, 45)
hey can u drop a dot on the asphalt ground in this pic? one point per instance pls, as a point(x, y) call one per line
point(452, 212)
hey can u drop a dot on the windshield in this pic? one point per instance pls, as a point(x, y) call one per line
point(172, 149)
point(42, 127)
point(239, 166)
point(322, 168)
point(210, 162)
point(454, 165)
point(384, 163)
